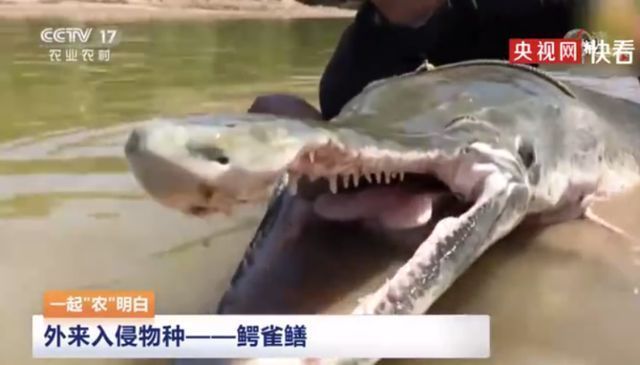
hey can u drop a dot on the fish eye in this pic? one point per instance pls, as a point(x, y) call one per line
point(210, 153)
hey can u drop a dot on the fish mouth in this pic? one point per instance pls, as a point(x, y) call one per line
point(329, 205)
point(403, 208)
point(399, 194)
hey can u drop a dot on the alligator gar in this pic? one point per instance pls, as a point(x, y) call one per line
point(444, 162)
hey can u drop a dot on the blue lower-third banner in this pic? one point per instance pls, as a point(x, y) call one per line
point(291, 336)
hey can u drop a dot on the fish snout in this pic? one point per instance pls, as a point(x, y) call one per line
point(133, 143)
point(151, 156)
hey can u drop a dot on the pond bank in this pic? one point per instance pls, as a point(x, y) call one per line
point(141, 10)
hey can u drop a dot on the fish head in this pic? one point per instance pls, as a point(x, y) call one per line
point(204, 165)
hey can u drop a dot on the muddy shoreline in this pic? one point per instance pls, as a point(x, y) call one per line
point(143, 10)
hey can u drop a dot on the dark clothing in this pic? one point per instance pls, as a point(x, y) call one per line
point(371, 48)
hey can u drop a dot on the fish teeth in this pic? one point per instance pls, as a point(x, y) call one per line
point(401, 175)
point(378, 177)
point(356, 180)
point(387, 178)
point(345, 180)
point(311, 156)
point(333, 184)
point(368, 177)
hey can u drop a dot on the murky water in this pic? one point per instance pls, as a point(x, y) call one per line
point(71, 217)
